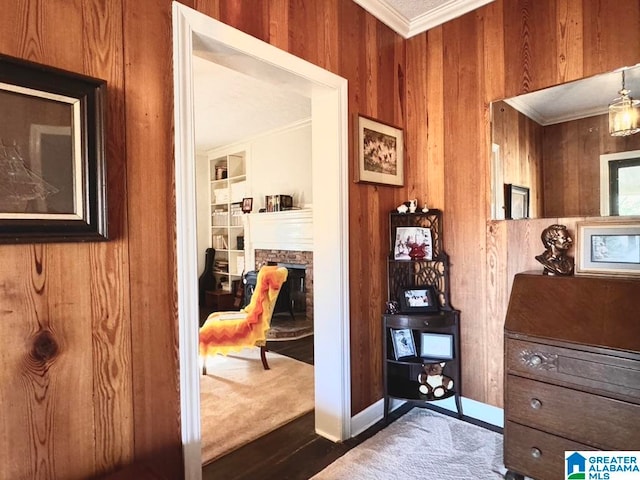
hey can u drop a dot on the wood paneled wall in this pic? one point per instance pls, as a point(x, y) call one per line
point(520, 157)
point(572, 164)
point(88, 334)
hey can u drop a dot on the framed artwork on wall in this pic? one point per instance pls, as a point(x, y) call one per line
point(516, 202)
point(52, 160)
point(380, 153)
point(608, 248)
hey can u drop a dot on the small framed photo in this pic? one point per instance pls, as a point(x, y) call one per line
point(52, 155)
point(380, 153)
point(516, 202)
point(247, 205)
point(608, 248)
point(436, 346)
point(403, 344)
point(413, 243)
point(418, 299)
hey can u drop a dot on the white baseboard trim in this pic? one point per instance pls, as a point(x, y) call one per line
point(471, 408)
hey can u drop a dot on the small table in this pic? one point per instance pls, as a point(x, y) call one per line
point(219, 300)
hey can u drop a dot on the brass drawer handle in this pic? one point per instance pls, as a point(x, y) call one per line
point(535, 404)
point(536, 453)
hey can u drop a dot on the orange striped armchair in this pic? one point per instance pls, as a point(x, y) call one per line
point(226, 332)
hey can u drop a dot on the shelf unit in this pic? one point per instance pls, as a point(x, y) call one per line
point(228, 181)
point(400, 376)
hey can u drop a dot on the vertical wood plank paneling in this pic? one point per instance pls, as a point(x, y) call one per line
point(569, 43)
point(279, 24)
point(434, 186)
point(68, 414)
point(494, 68)
point(149, 144)
point(464, 194)
point(530, 38)
point(111, 341)
point(611, 35)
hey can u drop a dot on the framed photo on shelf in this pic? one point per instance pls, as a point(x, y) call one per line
point(608, 248)
point(516, 202)
point(380, 153)
point(247, 204)
point(418, 299)
point(52, 155)
point(437, 346)
point(403, 344)
point(413, 243)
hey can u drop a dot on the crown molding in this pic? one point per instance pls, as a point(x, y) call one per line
point(390, 16)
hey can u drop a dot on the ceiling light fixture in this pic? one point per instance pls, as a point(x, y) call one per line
point(624, 114)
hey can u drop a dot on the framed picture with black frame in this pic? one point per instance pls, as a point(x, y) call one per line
point(516, 202)
point(403, 344)
point(436, 346)
point(418, 299)
point(52, 154)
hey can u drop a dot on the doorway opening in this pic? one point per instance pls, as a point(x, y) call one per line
point(328, 95)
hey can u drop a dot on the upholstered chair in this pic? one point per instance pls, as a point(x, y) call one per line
point(226, 332)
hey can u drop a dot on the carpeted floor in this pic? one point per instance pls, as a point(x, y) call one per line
point(423, 445)
point(237, 395)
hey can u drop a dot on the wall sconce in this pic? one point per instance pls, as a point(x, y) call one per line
point(624, 114)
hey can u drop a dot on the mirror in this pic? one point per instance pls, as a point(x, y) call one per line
point(555, 144)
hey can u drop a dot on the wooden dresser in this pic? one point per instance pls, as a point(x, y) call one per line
point(572, 370)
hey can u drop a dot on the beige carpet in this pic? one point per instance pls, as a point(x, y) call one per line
point(423, 445)
point(240, 401)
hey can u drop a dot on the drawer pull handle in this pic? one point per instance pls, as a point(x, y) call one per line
point(535, 404)
point(536, 453)
point(426, 323)
point(536, 360)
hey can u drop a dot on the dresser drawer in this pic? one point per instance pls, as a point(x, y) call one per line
point(599, 373)
point(602, 422)
point(536, 454)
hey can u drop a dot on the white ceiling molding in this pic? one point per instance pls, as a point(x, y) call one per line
point(411, 17)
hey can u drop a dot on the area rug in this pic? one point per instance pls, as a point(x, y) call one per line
point(240, 401)
point(420, 445)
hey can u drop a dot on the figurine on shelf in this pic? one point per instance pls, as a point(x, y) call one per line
point(402, 208)
point(413, 205)
point(425, 209)
point(555, 260)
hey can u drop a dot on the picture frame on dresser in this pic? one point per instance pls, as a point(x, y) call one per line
point(403, 343)
point(608, 248)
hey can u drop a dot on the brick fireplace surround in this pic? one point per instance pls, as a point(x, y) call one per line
point(295, 257)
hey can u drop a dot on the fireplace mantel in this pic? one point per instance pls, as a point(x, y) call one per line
point(286, 230)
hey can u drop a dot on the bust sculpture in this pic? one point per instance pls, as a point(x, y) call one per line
point(555, 260)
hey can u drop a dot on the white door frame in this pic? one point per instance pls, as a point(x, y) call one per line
point(328, 94)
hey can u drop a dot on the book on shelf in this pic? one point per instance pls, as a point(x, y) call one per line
point(219, 242)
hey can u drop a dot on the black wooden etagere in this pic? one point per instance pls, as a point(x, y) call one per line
point(401, 374)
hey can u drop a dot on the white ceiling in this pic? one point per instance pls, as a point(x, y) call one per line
point(582, 98)
point(411, 17)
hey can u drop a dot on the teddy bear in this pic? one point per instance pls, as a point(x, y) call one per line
point(433, 382)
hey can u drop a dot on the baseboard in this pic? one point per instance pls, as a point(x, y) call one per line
point(473, 409)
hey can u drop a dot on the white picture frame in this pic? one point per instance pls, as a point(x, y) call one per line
point(403, 343)
point(608, 248)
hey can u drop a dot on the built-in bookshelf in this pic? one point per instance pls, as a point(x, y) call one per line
point(228, 180)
